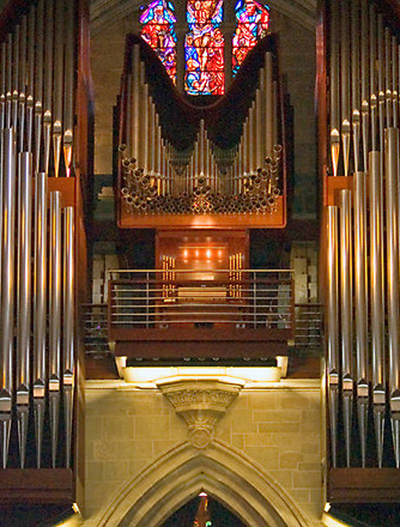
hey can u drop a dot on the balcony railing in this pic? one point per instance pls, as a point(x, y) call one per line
point(172, 306)
point(307, 334)
point(95, 329)
point(167, 298)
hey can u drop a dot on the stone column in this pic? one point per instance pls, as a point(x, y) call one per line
point(181, 29)
point(228, 28)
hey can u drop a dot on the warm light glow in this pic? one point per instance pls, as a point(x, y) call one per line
point(185, 253)
point(234, 374)
point(196, 253)
point(203, 495)
point(330, 521)
point(73, 521)
point(208, 253)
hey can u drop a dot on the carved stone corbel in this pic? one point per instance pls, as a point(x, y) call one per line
point(201, 404)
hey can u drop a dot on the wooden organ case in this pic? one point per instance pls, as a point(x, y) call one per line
point(46, 123)
point(202, 172)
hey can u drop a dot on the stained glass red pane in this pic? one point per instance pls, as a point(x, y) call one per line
point(252, 24)
point(158, 31)
point(204, 48)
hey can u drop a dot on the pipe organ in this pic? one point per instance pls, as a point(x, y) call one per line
point(40, 227)
point(191, 160)
point(361, 232)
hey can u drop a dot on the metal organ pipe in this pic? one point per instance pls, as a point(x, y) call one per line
point(8, 284)
point(346, 301)
point(344, 86)
point(377, 299)
point(40, 312)
point(39, 52)
point(58, 85)
point(31, 359)
point(392, 262)
point(334, 91)
point(332, 323)
point(268, 104)
point(372, 80)
point(68, 326)
point(394, 90)
point(69, 86)
point(55, 289)
point(135, 100)
point(361, 305)
point(48, 82)
point(30, 78)
point(22, 83)
point(24, 297)
point(15, 80)
point(9, 80)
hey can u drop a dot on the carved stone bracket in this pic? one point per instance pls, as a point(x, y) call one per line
point(201, 404)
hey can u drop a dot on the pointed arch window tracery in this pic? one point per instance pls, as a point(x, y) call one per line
point(204, 72)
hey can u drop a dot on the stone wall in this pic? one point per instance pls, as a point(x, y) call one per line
point(277, 428)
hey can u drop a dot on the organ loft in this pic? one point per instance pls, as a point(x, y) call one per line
point(199, 263)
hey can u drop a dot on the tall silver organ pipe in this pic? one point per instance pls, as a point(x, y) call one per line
point(332, 324)
point(24, 296)
point(58, 85)
point(68, 98)
point(68, 326)
point(48, 82)
point(361, 305)
point(392, 264)
point(22, 83)
point(38, 82)
point(377, 299)
point(363, 137)
point(40, 309)
point(38, 75)
point(346, 319)
point(8, 285)
point(55, 289)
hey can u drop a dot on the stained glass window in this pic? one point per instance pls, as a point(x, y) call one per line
point(204, 48)
point(252, 24)
point(158, 21)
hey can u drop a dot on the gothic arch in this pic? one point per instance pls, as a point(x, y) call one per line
point(180, 474)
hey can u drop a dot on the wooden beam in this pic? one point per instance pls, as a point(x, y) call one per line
point(45, 485)
point(364, 485)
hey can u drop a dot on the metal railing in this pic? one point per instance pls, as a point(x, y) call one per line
point(165, 298)
point(308, 334)
point(95, 329)
point(308, 328)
